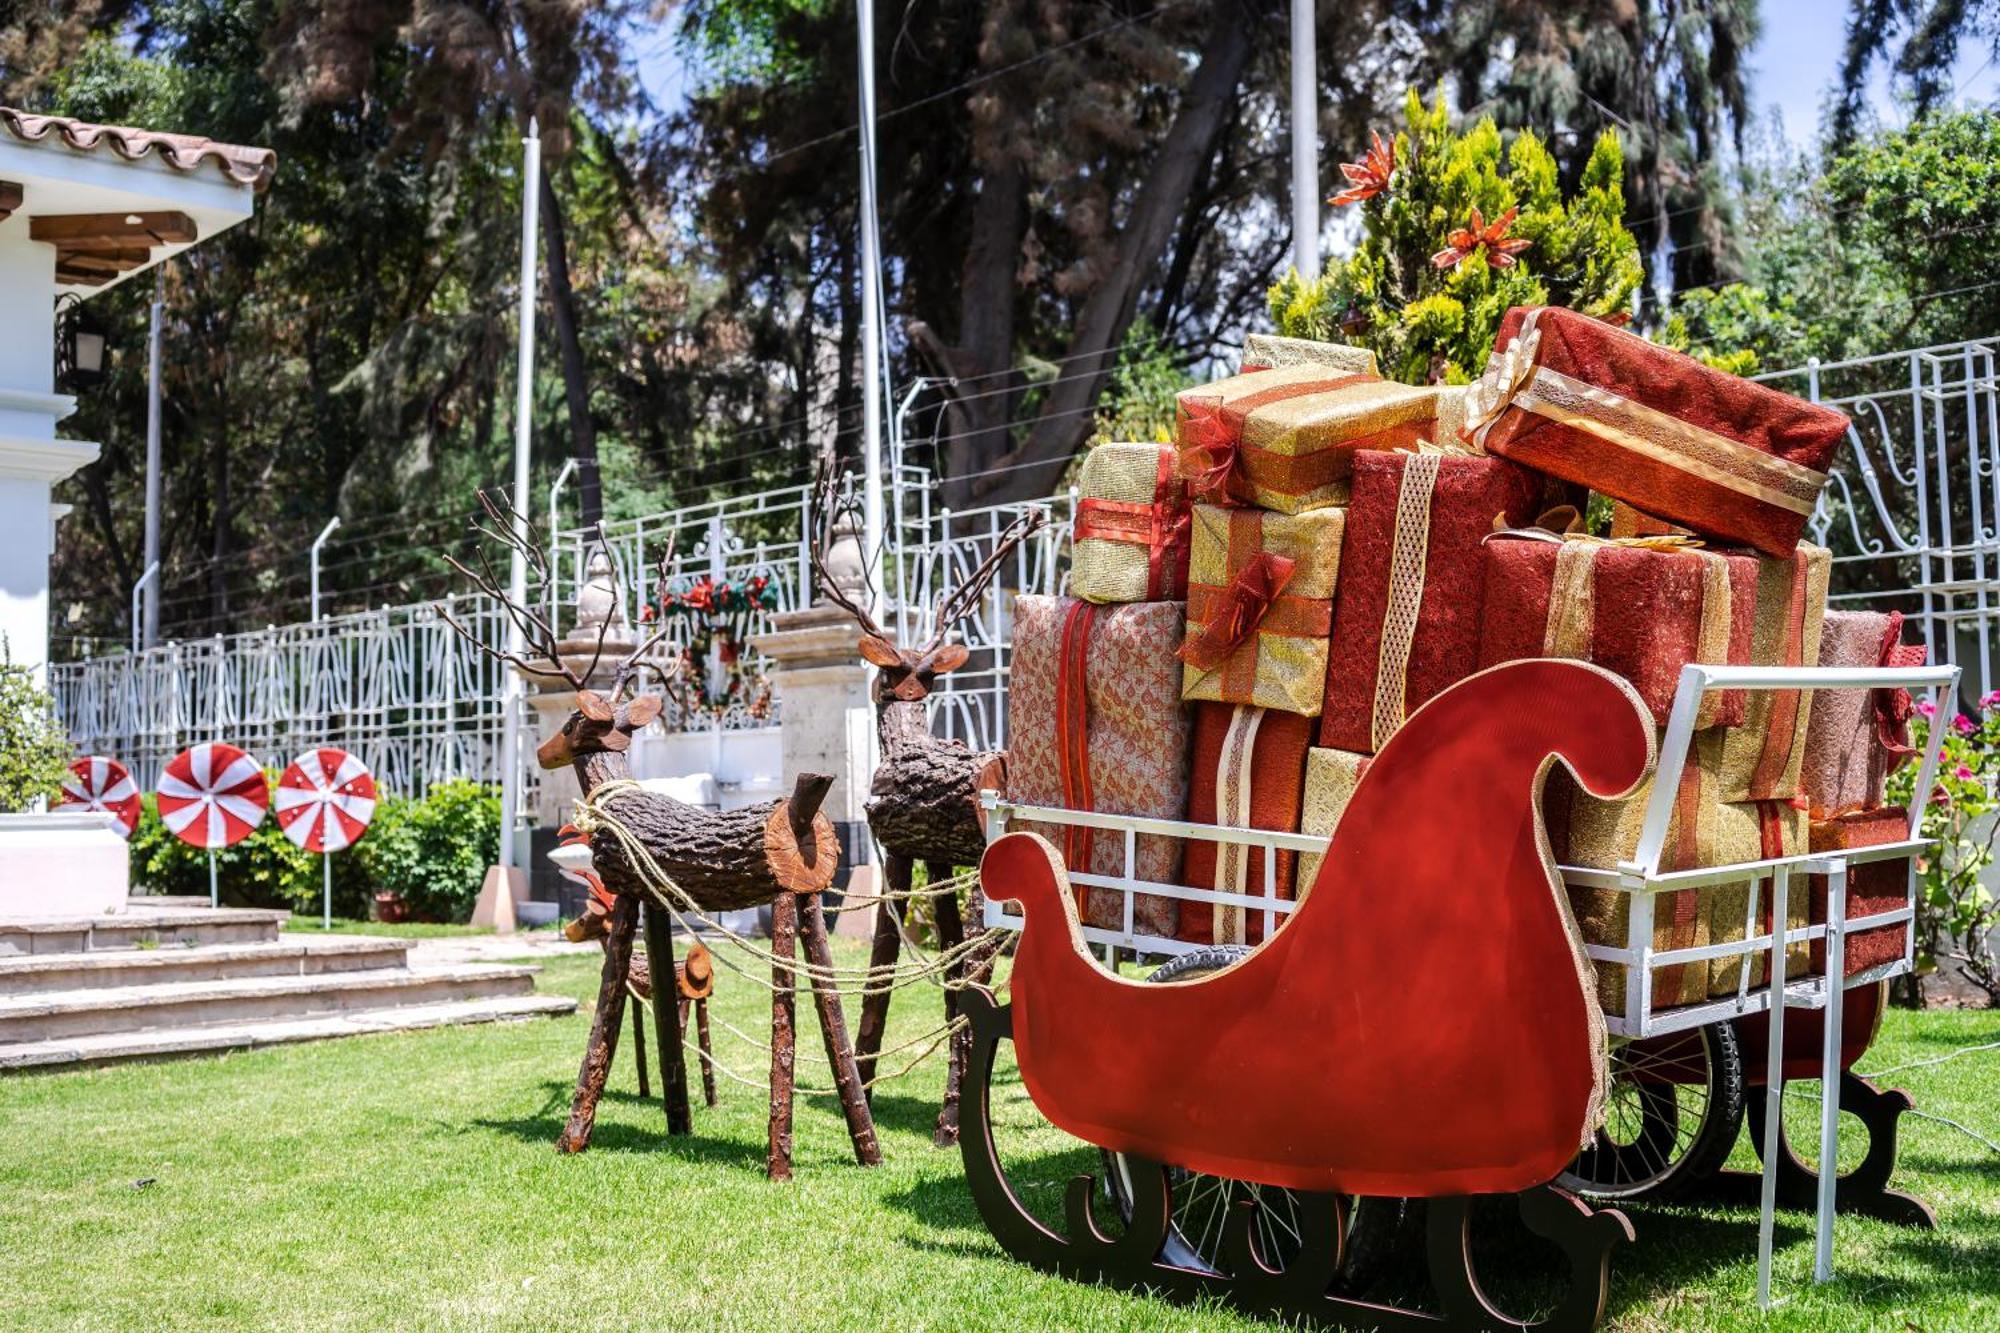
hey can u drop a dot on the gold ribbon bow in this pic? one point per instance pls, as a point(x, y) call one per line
point(1507, 373)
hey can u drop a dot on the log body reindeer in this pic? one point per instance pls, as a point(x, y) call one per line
point(923, 801)
point(784, 853)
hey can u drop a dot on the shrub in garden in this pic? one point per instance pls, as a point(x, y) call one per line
point(34, 752)
point(1456, 228)
point(1956, 914)
point(264, 870)
point(434, 851)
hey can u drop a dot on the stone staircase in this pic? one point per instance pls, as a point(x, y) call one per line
point(177, 979)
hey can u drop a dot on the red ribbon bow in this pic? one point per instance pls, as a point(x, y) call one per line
point(1892, 703)
point(1210, 451)
point(1245, 603)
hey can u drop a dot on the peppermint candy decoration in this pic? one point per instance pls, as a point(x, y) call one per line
point(325, 800)
point(213, 795)
point(98, 783)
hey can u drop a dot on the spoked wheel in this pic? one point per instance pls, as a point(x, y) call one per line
point(1673, 1106)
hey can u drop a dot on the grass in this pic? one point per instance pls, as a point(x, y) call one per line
point(309, 923)
point(409, 1182)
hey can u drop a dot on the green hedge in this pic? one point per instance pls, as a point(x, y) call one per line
point(433, 850)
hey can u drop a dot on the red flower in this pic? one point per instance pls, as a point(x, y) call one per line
point(646, 614)
point(700, 597)
point(1476, 235)
point(1370, 176)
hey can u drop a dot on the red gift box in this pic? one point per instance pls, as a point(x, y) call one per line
point(1638, 608)
point(1579, 399)
point(1412, 578)
point(1873, 887)
point(1249, 772)
point(1856, 738)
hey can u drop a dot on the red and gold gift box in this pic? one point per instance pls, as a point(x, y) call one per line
point(1270, 351)
point(1132, 526)
point(1095, 722)
point(1260, 602)
point(1331, 777)
point(1581, 400)
point(1285, 438)
point(1762, 758)
point(1249, 772)
point(1702, 831)
point(1856, 738)
point(1642, 608)
point(1412, 579)
point(1873, 887)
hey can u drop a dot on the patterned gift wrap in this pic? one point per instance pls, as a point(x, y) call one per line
point(1286, 438)
point(1703, 831)
point(1132, 523)
point(1249, 772)
point(1095, 722)
point(1635, 607)
point(1412, 580)
point(1331, 777)
point(1873, 888)
point(1856, 738)
point(1269, 351)
point(1578, 399)
point(1762, 758)
point(1260, 602)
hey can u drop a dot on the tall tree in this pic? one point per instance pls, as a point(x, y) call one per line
point(1926, 66)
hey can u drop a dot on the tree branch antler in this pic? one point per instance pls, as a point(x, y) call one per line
point(828, 509)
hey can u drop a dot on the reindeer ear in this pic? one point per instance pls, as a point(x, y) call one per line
point(641, 710)
point(880, 651)
point(593, 706)
point(615, 740)
point(948, 658)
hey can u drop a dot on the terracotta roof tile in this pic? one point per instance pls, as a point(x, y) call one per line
point(184, 152)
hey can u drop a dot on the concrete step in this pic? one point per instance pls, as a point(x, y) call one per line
point(294, 955)
point(160, 1043)
point(51, 1015)
point(139, 926)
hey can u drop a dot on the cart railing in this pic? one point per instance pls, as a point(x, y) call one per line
point(1640, 877)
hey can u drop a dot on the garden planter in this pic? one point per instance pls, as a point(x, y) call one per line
point(390, 908)
point(64, 863)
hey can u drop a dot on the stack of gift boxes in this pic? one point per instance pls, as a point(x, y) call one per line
point(1255, 610)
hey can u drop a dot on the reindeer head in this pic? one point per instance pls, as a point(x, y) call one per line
point(598, 726)
point(907, 676)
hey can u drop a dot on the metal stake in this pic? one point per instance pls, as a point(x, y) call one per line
point(318, 542)
point(326, 892)
point(1774, 1084)
point(152, 573)
point(517, 565)
point(214, 893)
point(1829, 1070)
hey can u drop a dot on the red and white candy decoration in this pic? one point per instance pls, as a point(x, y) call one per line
point(98, 783)
point(213, 795)
point(325, 800)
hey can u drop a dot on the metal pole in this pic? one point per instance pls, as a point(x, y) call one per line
point(146, 581)
point(326, 892)
point(517, 565)
point(318, 542)
point(871, 318)
point(1305, 142)
point(214, 893)
point(150, 633)
point(555, 547)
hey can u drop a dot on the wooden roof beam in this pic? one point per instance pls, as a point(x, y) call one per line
point(112, 231)
point(10, 198)
point(109, 262)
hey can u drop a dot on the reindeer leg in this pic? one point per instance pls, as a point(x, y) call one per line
point(673, 1060)
point(833, 1028)
point(881, 965)
point(784, 923)
point(976, 968)
point(707, 1052)
point(609, 1016)
point(951, 933)
point(639, 1049)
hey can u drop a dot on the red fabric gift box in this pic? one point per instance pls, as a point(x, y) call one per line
point(1581, 400)
point(1877, 886)
point(1249, 772)
point(1412, 578)
point(1856, 738)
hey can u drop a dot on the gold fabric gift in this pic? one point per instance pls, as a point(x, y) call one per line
point(1132, 526)
point(1761, 759)
point(1331, 777)
point(1268, 351)
point(1702, 831)
point(1260, 604)
point(1285, 438)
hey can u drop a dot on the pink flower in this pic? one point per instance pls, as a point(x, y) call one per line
point(1964, 774)
point(1964, 725)
point(1990, 698)
point(1925, 708)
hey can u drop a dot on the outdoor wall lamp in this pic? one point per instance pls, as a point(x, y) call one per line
point(81, 346)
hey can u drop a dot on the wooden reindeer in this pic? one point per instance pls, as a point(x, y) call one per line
point(784, 853)
point(923, 802)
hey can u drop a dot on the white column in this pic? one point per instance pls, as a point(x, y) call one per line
point(517, 568)
point(1305, 142)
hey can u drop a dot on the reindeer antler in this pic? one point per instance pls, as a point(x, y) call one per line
point(828, 509)
point(966, 595)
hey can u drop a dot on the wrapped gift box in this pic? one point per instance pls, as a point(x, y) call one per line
point(1095, 722)
point(1761, 759)
point(1703, 831)
point(1285, 438)
point(1132, 526)
point(1260, 590)
point(1579, 399)
point(1249, 772)
point(1331, 777)
point(1412, 579)
point(1629, 522)
point(1640, 610)
point(1269, 351)
point(1877, 886)
point(1856, 738)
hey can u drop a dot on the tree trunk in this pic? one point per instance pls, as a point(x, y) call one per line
point(833, 1030)
point(951, 934)
point(666, 1023)
point(924, 800)
point(576, 386)
point(784, 1038)
point(888, 945)
point(722, 860)
point(602, 1045)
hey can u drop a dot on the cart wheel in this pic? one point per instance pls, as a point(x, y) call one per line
point(1673, 1106)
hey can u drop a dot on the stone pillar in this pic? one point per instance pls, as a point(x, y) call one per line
point(828, 714)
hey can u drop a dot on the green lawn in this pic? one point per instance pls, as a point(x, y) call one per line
point(309, 923)
point(409, 1182)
